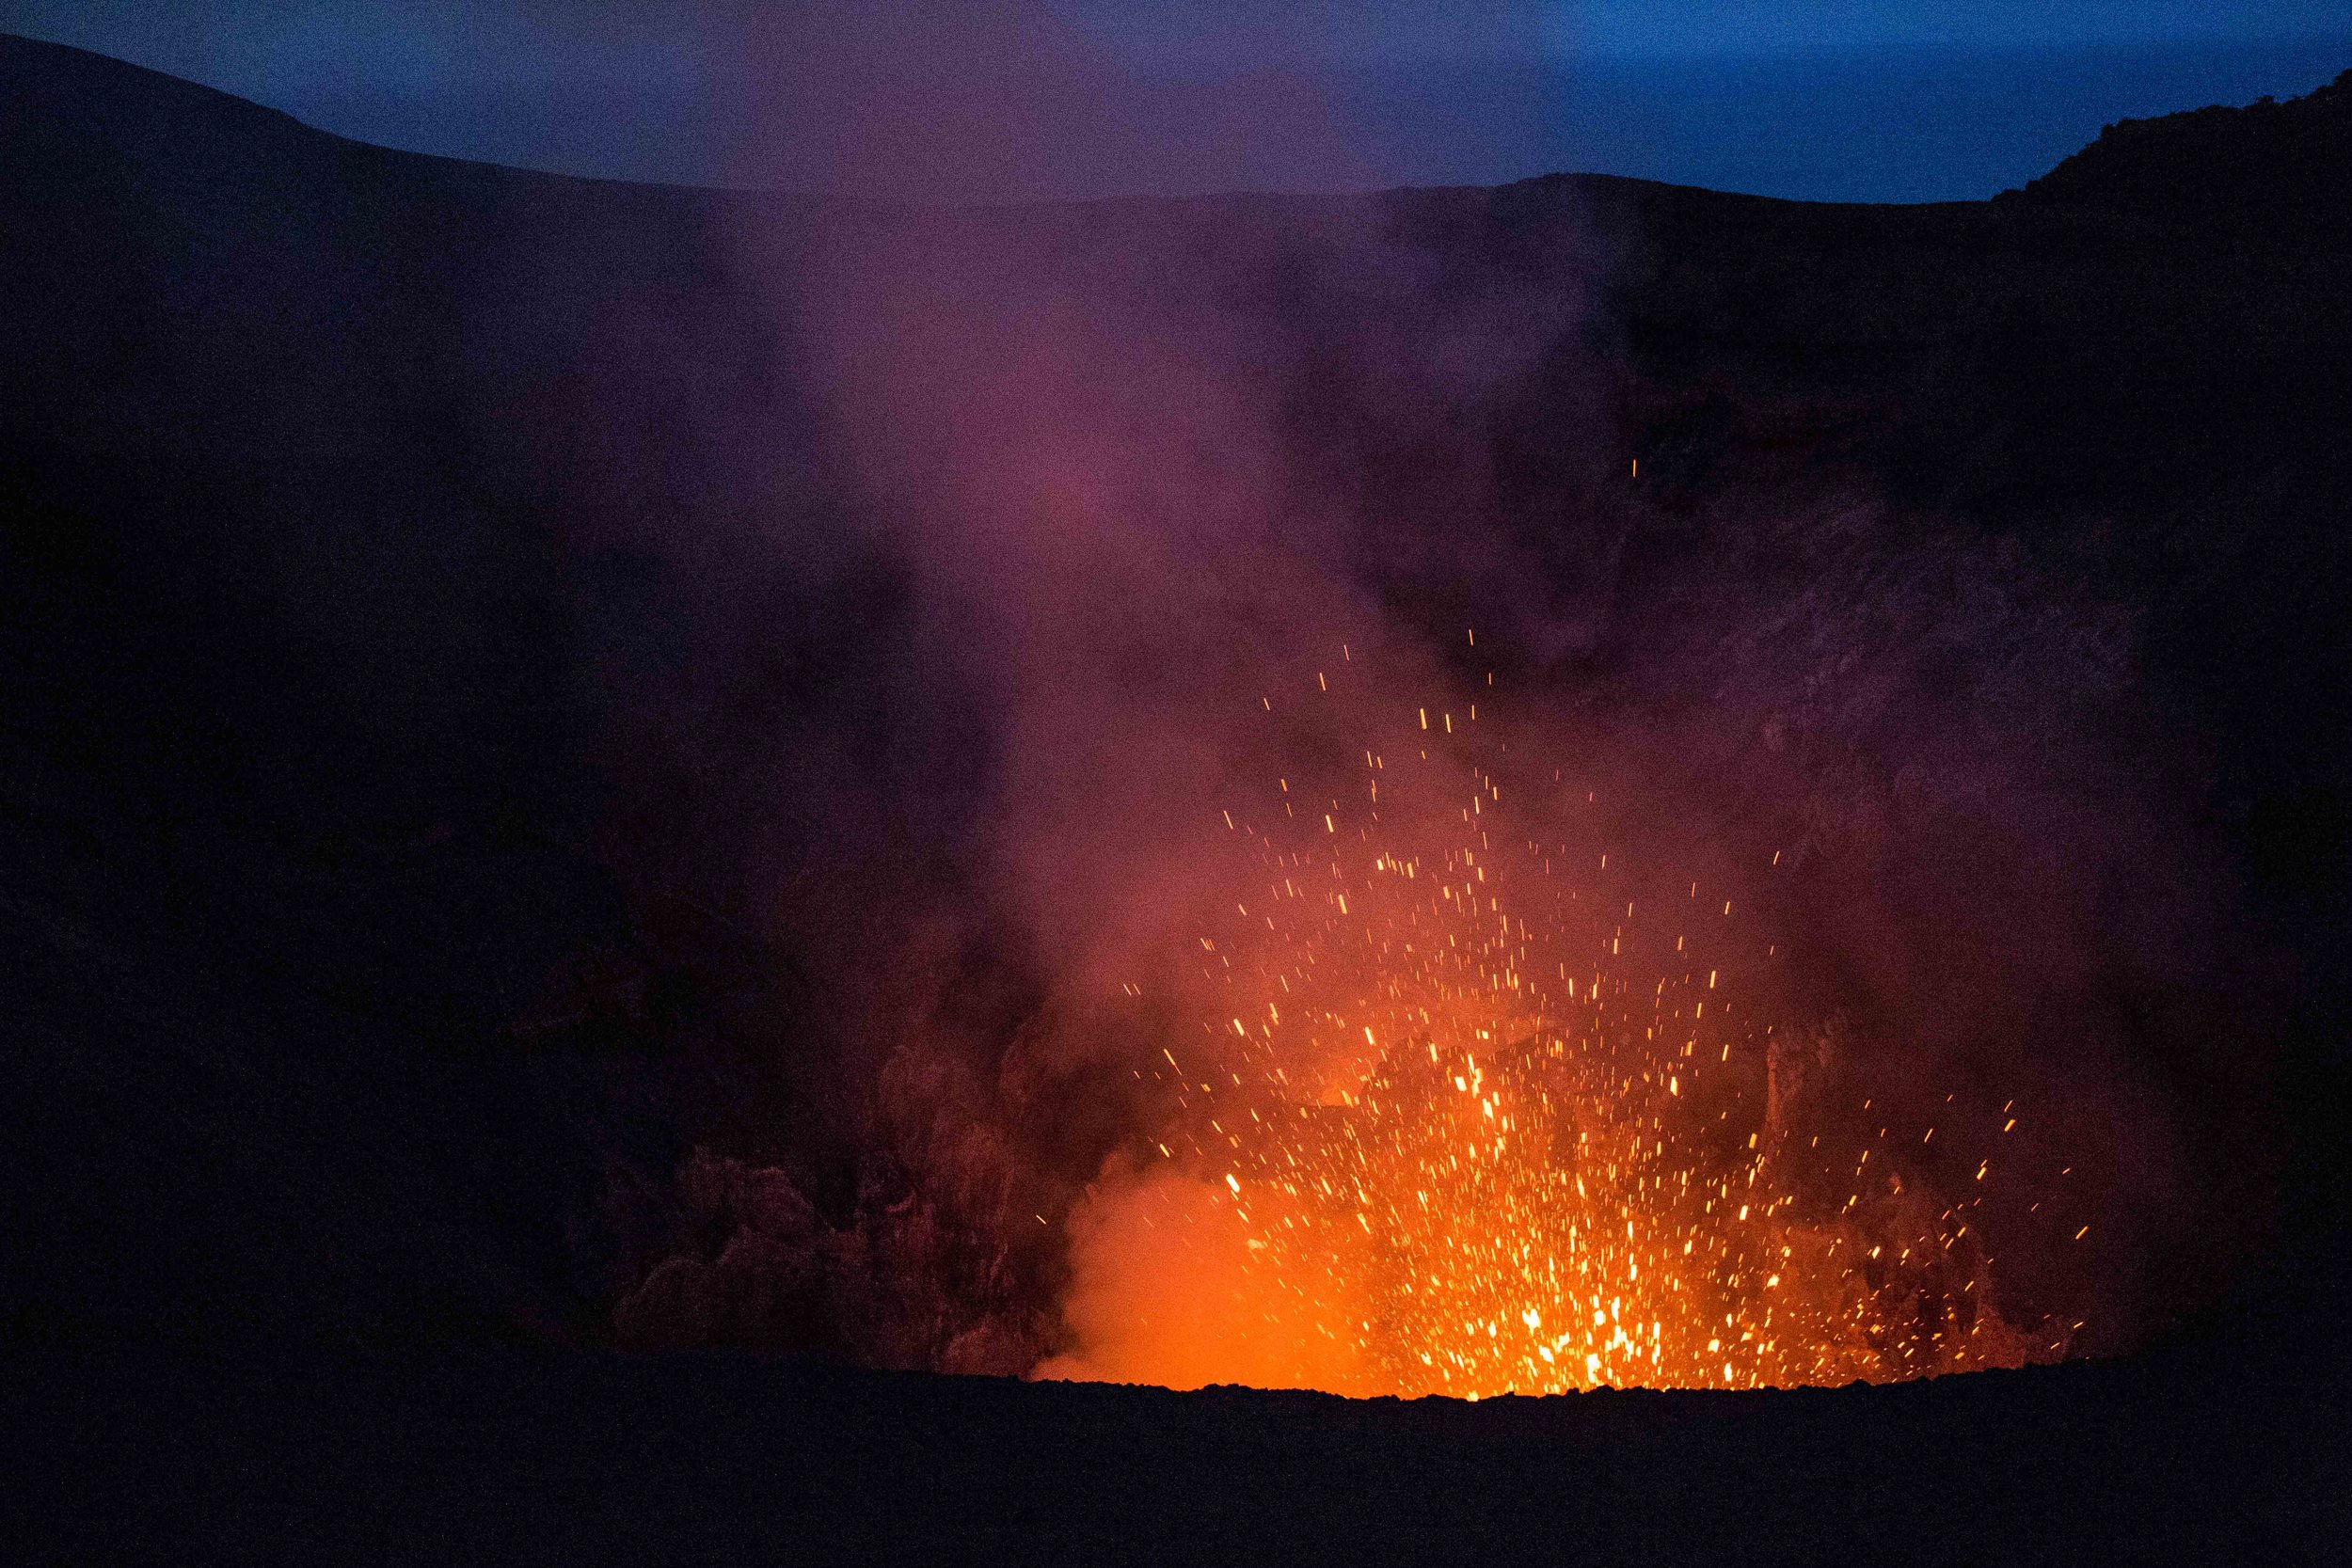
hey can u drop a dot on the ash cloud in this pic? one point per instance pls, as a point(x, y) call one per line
point(1079, 435)
point(1125, 467)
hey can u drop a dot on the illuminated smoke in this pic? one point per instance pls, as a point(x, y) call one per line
point(1718, 989)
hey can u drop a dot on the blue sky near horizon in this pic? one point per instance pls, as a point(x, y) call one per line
point(1832, 100)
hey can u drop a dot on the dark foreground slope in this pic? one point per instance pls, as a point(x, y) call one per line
point(397, 711)
point(524, 1457)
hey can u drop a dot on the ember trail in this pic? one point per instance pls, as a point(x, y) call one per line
point(1453, 1114)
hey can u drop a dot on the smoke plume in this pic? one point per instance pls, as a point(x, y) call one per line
point(1176, 502)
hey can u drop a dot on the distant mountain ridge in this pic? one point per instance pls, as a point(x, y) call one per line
point(2278, 164)
point(2214, 164)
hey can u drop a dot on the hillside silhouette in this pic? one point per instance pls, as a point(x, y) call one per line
point(2277, 168)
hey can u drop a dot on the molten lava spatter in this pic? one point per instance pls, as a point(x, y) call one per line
point(1452, 1121)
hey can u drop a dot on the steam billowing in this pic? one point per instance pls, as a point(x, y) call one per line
point(1123, 471)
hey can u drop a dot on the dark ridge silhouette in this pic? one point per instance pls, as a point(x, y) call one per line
point(516, 1456)
point(409, 721)
point(2282, 169)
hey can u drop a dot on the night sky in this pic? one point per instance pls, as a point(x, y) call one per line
point(1822, 99)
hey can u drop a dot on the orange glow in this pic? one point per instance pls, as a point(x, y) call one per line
point(1449, 1122)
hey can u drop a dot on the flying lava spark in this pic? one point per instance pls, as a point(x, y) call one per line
point(1448, 1113)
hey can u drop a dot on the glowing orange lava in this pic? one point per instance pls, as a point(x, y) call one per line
point(1447, 1119)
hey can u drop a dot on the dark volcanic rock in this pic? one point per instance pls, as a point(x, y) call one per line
point(2282, 171)
point(525, 1457)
